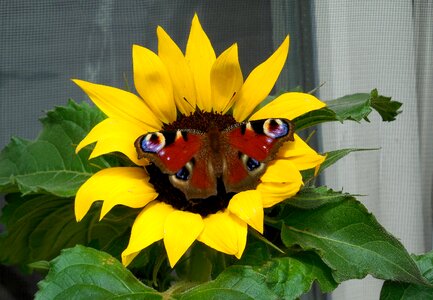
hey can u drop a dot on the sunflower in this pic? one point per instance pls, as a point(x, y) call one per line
point(191, 91)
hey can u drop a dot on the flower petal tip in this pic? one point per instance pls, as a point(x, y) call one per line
point(127, 258)
point(181, 229)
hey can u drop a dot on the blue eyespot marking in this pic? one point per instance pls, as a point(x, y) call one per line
point(275, 128)
point(153, 142)
point(252, 164)
point(182, 174)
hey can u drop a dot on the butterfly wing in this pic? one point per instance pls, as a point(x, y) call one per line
point(169, 150)
point(193, 161)
point(182, 155)
point(251, 146)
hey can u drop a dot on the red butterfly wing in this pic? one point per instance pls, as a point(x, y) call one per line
point(252, 145)
point(201, 179)
point(181, 154)
point(258, 139)
point(236, 172)
point(194, 160)
point(169, 150)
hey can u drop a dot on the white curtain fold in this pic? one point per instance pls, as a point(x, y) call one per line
point(361, 45)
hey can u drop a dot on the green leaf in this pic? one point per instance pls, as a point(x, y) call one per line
point(331, 158)
point(405, 291)
point(256, 251)
point(280, 278)
point(311, 197)
point(350, 241)
point(387, 108)
point(314, 117)
point(85, 273)
point(49, 164)
point(354, 107)
point(39, 227)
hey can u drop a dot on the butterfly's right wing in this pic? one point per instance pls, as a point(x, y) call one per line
point(251, 146)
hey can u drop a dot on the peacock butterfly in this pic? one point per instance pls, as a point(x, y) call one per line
point(194, 160)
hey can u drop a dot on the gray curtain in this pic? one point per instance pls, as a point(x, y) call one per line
point(387, 45)
point(44, 44)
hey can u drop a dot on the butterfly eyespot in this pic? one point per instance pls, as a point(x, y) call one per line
point(182, 174)
point(252, 164)
point(185, 173)
point(275, 128)
point(153, 142)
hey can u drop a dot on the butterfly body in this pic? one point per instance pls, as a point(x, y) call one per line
point(196, 160)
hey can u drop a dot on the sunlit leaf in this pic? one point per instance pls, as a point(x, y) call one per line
point(310, 198)
point(354, 107)
point(279, 278)
point(350, 241)
point(85, 273)
point(39, 227)
point(331, 158)
point(392, 290)
point(49, 164)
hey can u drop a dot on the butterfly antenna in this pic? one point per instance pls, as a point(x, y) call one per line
point(229, 102)
point(192, 106)
point(194, 109)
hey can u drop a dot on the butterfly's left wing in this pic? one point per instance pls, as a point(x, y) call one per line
point(169, 150)
point(182, 154)
point(252, 145)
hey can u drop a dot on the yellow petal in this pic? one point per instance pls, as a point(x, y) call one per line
point(274, 193)
point(181, 229)
point(120, 104)
point(259, 83)
point(180, 73)
point(114, 135)
point(281, 180)
point(249, 208)
point(122, 185)
point(128, 258)
point(281, 170)
point(300, 154)
point(226, 79)
point(200, 56)
point(289, 106)
point(148, 228)
point(224, 232)
point(153, 83)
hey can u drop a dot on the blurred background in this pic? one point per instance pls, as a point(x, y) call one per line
point(351, 46)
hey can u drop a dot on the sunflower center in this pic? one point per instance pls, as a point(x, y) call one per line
point(201, 121)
